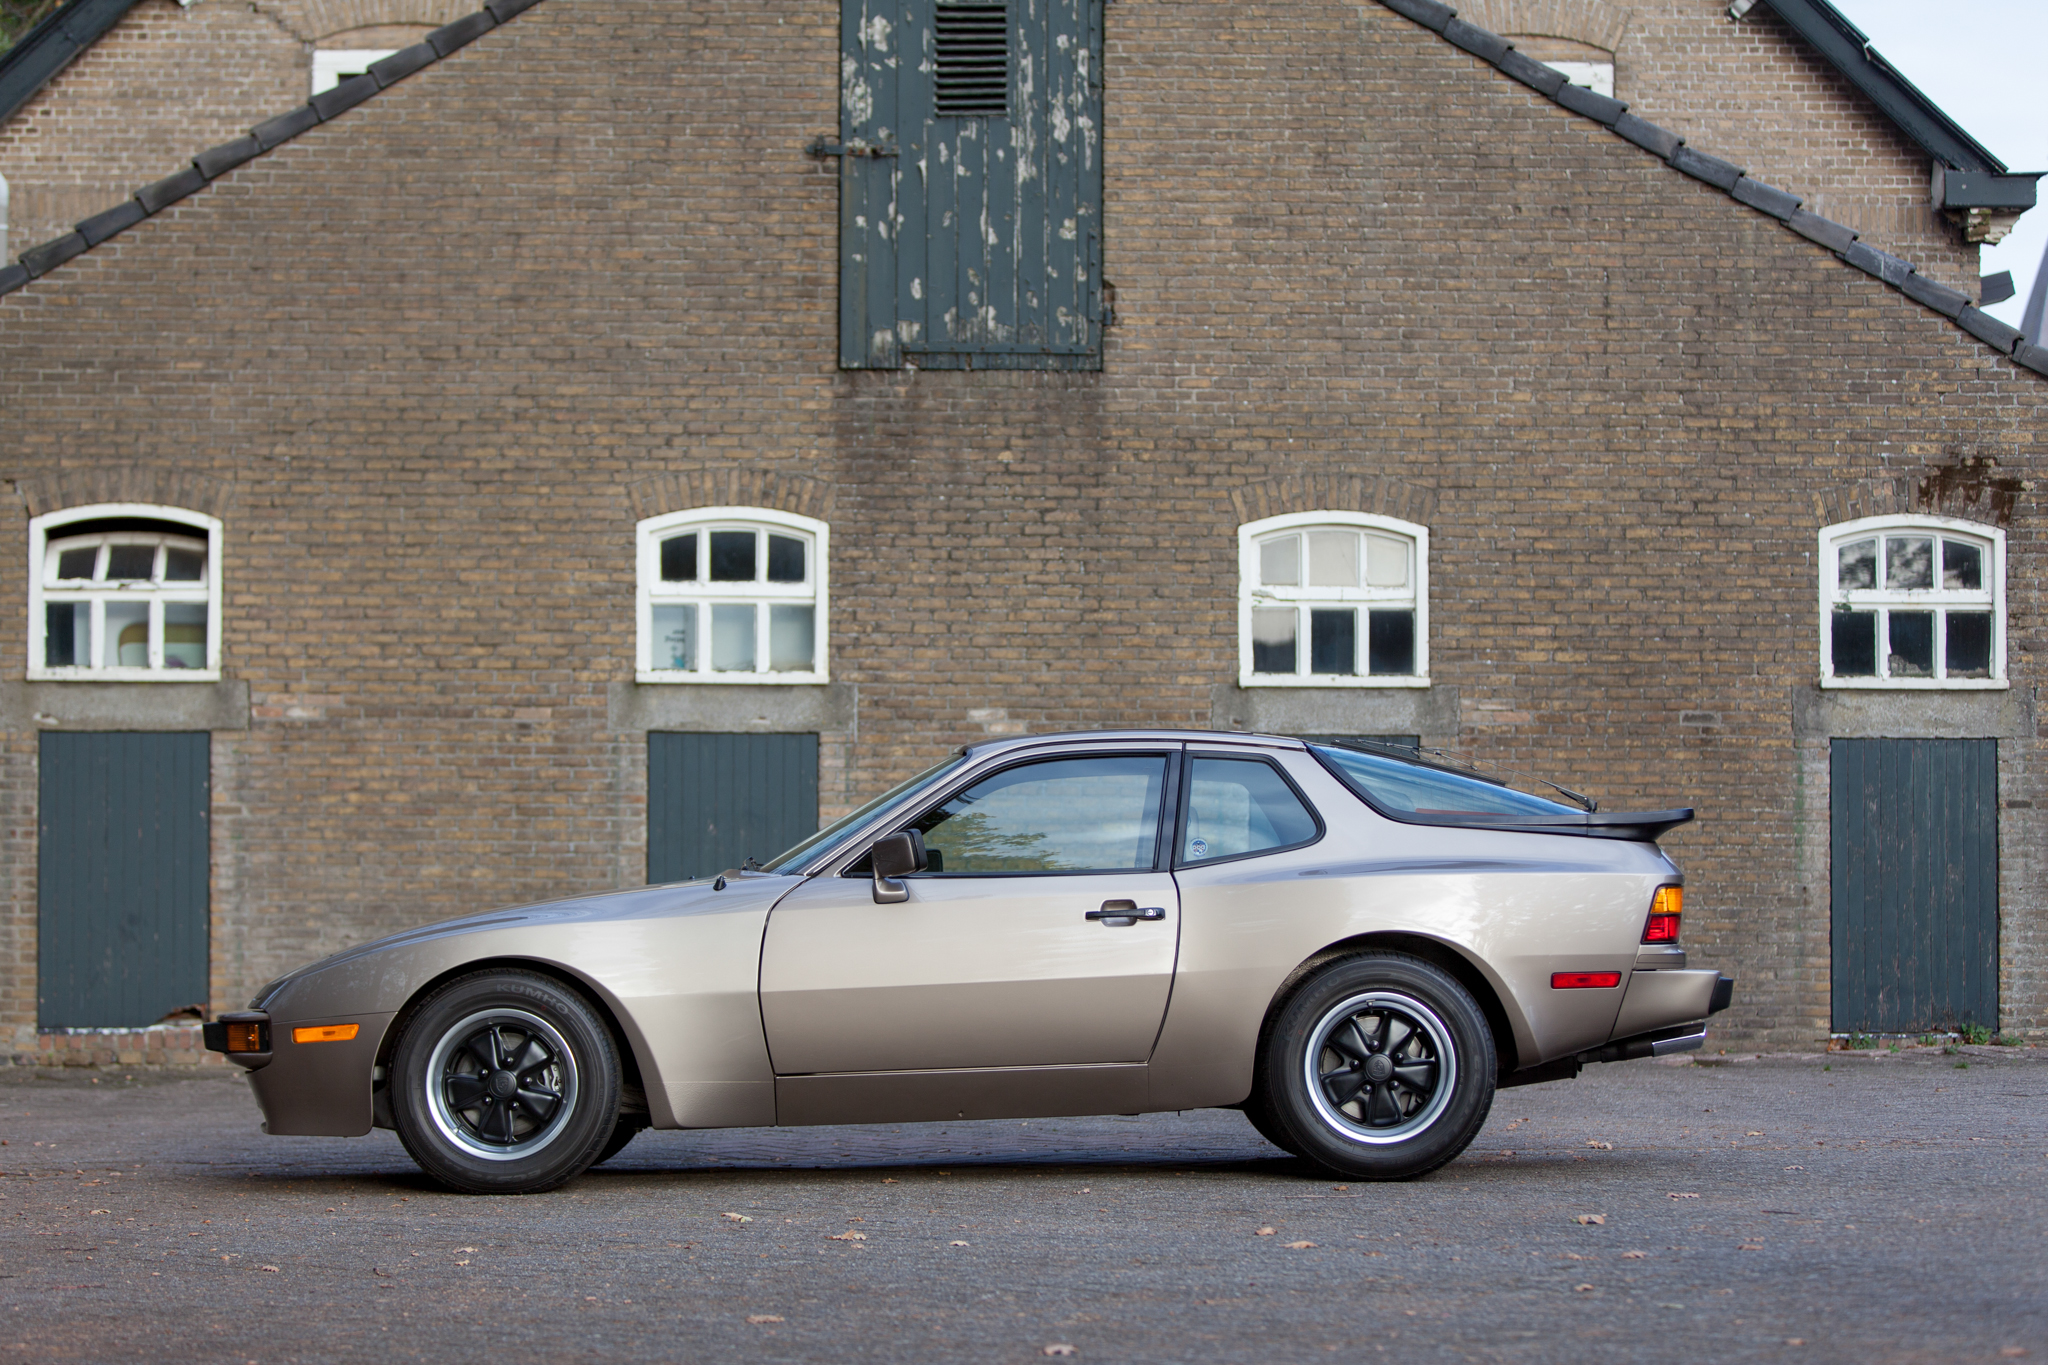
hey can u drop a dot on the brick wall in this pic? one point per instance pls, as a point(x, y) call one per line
point(435, 346)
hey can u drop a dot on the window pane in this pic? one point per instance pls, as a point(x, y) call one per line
point(785, 559)
point(1238, 805)
point(1413, 787)
point(1280, 562)
point(1969, 644)
point(184, 635)
point(1386, 562)
point(67, 634)
point(1852, 642)
point(1273, 639)
point(1066, 815)
point(679, 559)
point(791, 639)
point(732, 635)
point(183, 566)
point(1962, 566)
point(1333, 559)
point(131, 563)
point(1856, 565)
point(1908, 562)
point(732, 557)
point(1333, 641)
point(1391, 646)
point(675, 638)
point(77, 563)
point(1912, 642)
point(128, 634)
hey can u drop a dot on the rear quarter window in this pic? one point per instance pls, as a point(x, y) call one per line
point(1414, 789)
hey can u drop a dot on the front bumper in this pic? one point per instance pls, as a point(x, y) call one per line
point(306, 1089)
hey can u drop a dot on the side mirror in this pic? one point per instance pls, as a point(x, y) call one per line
point(896, 856)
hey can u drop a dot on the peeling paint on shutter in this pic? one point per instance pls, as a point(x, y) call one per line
point(971, 240)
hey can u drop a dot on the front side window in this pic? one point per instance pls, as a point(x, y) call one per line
point(1912, 602)
point(1094, 814)
point(124, 593)
point(1333, 599)
point(732, 595)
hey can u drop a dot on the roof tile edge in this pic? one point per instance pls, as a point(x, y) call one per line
point(1768, 200)
point(215, 162)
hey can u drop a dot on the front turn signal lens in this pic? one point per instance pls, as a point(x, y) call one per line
point(326, 1033)
point(1664, 910)
point(1581, 981)
point(245, 1037)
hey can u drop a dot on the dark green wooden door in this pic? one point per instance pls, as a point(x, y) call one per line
point(121, 878)
point(713, 801)
point(1915, 884)
point(970, 192)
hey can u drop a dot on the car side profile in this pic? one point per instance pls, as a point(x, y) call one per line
point(1355, 944)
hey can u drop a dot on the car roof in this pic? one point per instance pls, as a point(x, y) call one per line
point(1011, 744)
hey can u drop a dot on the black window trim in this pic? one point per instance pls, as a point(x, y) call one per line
point(1239, 756)
point(861, 867)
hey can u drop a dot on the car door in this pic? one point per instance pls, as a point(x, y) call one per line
point(1009, 952)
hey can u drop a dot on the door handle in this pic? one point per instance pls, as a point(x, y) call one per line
point(1123, 914)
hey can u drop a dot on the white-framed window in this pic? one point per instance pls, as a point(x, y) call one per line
point(1597, 77)
point(1333, 599)
point(732, 595)
point(124, 592)
point(1912, 602)
point(332, 66)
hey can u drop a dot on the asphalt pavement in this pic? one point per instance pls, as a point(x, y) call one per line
point(1851, 1207)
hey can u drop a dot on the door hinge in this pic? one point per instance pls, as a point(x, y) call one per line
point(822, 147)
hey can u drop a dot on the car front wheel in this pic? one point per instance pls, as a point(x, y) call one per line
point(505, 1082)
point(1379, 1067)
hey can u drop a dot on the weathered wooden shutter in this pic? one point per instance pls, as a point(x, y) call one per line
point(970, 191)
point(713, 800)
point(122, 871)
point(1915, 883)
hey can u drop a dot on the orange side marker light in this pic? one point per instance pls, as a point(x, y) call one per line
point(326, 1033)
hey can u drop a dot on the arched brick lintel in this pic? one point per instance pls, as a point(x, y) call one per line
point(1334, 493)
point(1594, 22)
point(155, 485)
point(679, 490)
point(312, 20)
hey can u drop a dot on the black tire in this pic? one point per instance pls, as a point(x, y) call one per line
point(1267, 1126)
point(505, 1082)
point(1380, 1066)
point(624, 1131)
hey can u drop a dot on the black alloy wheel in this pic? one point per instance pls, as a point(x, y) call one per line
point(1380, 1066)
point(505, 1082)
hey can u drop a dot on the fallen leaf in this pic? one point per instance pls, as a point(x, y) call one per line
point(99, 1211)
point(1634, 1255)
point(1594, 1219)
point(1265, 1232)
point(271, 1268)
point(956, 1244)
point(385, 1273)
point(1751, 1246)
point(2012, 1352)
point(1573, 1256)
point(1340, 1188)
point(1752, 1133)
point(462, 1262)
point(890, 1180)
point(1681, 1196)
point(736, 1217)
point(1061, 1348)
point(468, 1251)
point(758, 1318)
point(1601, 1146)
point(1795, 1341)
point(1300, 1246)
point(1795, 1168)
point(1582, 1289)
point(848, 1236)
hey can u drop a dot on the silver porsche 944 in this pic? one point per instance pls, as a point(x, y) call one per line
point(1353, 943)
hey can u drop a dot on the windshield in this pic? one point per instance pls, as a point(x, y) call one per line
point(825, 839)
point(1409, 785)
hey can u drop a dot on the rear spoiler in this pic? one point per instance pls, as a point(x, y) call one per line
point(1639, 826)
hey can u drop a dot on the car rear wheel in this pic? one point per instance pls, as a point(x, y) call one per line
point(1379, 1067)
point(505, 1082)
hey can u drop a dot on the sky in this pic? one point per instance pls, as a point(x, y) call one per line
point(1985, 62)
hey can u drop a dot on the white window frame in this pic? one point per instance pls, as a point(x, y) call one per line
point(1918, 599)
point(333, 65)
point(1250, 595)
point(51, 526)
point(652, 592)
point(1595, 76)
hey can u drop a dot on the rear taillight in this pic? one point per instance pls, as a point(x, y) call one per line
point(1664, 911)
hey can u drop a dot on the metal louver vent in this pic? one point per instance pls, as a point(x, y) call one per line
point(973, 76)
